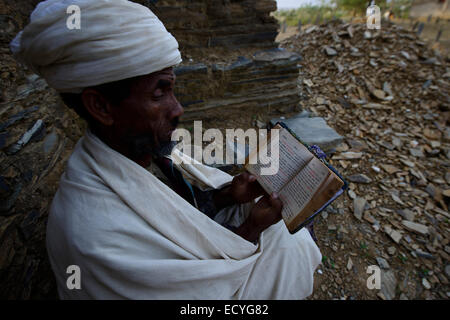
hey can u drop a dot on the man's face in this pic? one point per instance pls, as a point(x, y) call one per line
point(146, 119)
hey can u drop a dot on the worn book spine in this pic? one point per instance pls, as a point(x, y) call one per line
point(326, 191)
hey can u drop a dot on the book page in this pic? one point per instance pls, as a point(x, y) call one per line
point(293, 157)
point(296, 194)
point(327, 192)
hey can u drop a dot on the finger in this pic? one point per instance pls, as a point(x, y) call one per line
point(264, 193)
point(256, 187)
point(248, 177)
point(264, 199)
point(275, 201)
point(243, 177)
point(238, 180)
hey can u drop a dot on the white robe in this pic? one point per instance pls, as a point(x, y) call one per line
point(134, 238)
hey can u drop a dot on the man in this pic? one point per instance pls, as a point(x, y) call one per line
point(137, 226)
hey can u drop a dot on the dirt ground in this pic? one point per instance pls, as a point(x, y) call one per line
point(350, 246)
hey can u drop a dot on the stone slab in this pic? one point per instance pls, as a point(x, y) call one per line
point(314, 131)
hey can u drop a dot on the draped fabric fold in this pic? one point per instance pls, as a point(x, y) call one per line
point(135, 238)
point(117, 39)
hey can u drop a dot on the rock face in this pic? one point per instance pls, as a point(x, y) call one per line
point(217, 23)
point(229, 54)
point(266, 78)
point(388, 284)
point(359, 205)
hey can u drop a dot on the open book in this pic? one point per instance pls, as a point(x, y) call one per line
point(305, 184)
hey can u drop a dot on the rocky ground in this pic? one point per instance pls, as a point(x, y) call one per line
point(387, 93)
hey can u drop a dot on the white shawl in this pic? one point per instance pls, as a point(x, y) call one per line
point(135, 238)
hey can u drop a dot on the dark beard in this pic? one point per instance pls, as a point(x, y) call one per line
point(164, 150)
point(140, 146)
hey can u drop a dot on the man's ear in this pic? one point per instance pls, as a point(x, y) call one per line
point(98, 107)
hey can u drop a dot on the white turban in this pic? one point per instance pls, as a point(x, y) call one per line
point(118, 39)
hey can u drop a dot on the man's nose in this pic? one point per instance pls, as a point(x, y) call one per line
point(178, 109)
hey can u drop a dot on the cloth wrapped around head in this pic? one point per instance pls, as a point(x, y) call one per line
point(118, 39)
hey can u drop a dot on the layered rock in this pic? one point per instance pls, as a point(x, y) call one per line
point(212, 75)
point(218, 23)
point(266, 78)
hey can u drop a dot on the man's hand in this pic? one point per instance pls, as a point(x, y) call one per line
point(244, 188)
point(266, 212)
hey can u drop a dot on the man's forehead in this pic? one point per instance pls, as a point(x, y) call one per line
point(152, 78)
point(164, 72)
point(168, 72)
